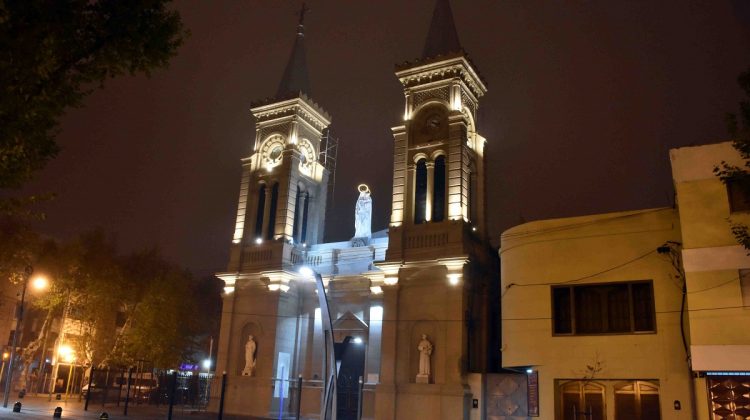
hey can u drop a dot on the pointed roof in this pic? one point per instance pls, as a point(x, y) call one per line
point(295, 79)
point(442, 37)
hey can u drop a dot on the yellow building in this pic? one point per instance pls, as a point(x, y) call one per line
point(635, 315)
point(591, 310)
point(718, 286)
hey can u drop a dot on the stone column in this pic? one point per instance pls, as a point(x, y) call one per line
point(385, 398)
point(430, 187)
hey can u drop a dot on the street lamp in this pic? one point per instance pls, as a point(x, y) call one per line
point(19, 318)
point(329, 405)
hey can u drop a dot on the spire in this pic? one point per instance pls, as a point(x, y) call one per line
point(295, 78)
point(442, 37)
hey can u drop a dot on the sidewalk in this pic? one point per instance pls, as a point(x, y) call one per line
point(37, 407)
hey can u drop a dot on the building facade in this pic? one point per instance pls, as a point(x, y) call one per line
point(591, 307)
point(415, 308)
point(718, 280)
point(640, 314)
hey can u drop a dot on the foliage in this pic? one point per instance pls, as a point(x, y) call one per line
point(122, 309)
point(738, 126)
point(53, 53)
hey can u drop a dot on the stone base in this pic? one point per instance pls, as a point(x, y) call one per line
point(423, 379)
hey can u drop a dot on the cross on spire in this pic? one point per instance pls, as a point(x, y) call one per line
point(295, 78)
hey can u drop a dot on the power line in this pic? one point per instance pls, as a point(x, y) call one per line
point(653, 250)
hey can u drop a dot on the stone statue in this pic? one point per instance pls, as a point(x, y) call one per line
point(250, 347)
point(363, 213)
point(425, 351)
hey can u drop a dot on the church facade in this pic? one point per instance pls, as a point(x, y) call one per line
point(415, 308)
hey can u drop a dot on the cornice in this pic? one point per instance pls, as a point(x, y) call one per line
point(298, 105)
point(441, 68)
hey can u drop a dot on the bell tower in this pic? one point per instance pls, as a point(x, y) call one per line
point(438, 156)
point(280, 215)
point(440, 275)
point(284, 183)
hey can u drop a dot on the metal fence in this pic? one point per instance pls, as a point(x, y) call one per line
point(187, 390)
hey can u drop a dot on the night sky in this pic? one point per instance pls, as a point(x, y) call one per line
point(585, 100)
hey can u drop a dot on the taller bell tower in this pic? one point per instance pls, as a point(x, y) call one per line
point(284, 183)
point(440, 275)
point(268, 311)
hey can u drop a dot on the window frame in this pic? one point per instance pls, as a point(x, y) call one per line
point(571, 301)
point(735, 189)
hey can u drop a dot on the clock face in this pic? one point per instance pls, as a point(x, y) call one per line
point(275, 153)
point(430, 124)
point(272, 151)
point(306, 156)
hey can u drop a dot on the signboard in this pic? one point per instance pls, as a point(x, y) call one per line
point(532, 393)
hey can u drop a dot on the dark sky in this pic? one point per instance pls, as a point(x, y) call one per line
point(585, 99)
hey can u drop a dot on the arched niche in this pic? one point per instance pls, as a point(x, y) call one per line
point(254, 329)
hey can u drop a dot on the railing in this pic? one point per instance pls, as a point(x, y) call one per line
point(427, 240)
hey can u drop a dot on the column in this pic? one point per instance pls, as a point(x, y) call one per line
point(430, 190)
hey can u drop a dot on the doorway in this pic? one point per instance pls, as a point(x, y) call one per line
point(350, 356)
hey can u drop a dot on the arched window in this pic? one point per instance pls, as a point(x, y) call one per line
point(638, 400)
point(272, 213)
point(420, 192)
point(473, 195)
point(581, 400)
point(438, 195)
point(297, 215)
point(306, 207)
point(259, 211)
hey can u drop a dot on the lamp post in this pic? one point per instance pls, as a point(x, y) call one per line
point(328, 409)
point(19, 318)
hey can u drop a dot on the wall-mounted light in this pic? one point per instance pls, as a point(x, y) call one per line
point(390, 281)
point(454, 278)
point(258, 241)
point(278, 286)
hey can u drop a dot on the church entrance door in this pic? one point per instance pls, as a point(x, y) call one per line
point(351, 358)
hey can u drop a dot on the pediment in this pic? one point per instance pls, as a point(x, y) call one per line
point(349, 322)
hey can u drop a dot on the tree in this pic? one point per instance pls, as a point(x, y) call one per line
point(739, 128)
point(53, 53)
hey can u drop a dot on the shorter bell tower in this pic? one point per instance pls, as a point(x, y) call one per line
point(440, 275)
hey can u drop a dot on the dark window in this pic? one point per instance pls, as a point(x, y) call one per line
point(610, 308)
point(272, 213)
point(473, 198)
point(582, 400)
point(297, 212)
point(438, 196)
point(306, 207)
point(745, 286)
point(420, 193)
point(259, 212)
point(638, 400)
point(738, 192)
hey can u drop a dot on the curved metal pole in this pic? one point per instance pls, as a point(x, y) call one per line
point(328, 408)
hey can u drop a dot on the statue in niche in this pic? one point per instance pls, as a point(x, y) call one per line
point(425, 351)
point(250, 348)
point(363, 216)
